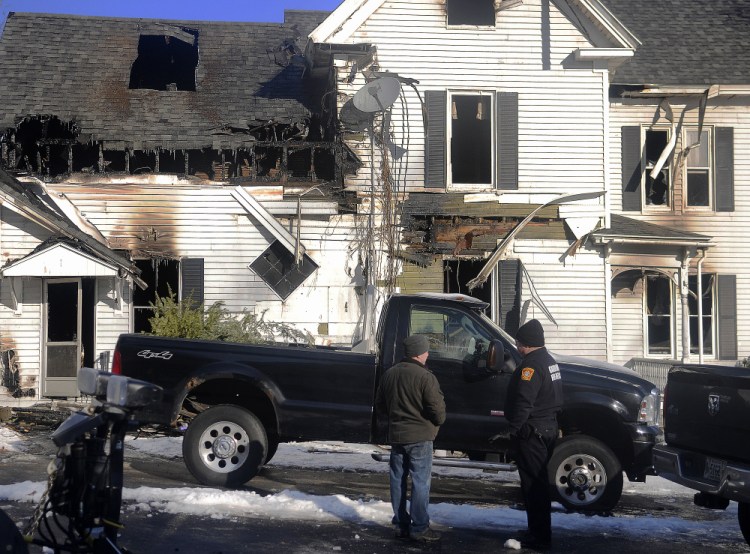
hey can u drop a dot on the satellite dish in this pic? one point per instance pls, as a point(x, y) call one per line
point(377, 95)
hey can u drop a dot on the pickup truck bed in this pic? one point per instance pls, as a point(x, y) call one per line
point(706, 432)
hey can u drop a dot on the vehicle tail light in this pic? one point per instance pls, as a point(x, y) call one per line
point(649, 410)
point(117, 363)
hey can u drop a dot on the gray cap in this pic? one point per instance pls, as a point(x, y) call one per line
point(415, 345)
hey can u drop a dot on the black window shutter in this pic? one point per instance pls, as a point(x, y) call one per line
point(724, 169)
point(507, 140)
point(435, 147)
point(510, 295)
point(631, 168)
point(192, 279)
point(727, 293)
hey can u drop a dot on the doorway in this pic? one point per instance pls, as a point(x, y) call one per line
point(68, 334)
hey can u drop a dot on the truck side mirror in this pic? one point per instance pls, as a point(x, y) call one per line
point(499, 360)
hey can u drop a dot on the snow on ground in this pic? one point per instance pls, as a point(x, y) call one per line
point(343, 456)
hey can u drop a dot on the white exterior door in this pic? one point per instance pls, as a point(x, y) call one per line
point(62, 337)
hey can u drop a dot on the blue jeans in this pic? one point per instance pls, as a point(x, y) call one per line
point(413, 459)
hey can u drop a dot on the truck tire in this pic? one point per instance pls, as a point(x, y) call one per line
point(585, 474)
point(743, 516)
point(226, 446)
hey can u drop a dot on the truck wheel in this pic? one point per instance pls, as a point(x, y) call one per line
point(743, 516)
point(273, 445)
point(585, 474)
point(225, 445)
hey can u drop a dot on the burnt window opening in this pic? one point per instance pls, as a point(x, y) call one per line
point(39, 144)
point(163, 277)
point(278, 268)
point(142, 161)
point(86, 158)
point(471, 139)
point(656, 189)
point(115, 161)
point(172, 161)
point(471, 12)
point(165, 62)
point(458, 273)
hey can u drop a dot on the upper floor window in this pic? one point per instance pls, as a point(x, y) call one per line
point(471, 138)
point(698, 164)
point(706, 168)
point(656, 189)
point(471, 12)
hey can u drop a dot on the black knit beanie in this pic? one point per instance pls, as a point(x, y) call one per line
point(415, 345)
point(531, 334)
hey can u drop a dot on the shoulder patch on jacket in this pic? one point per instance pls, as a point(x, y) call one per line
point(527, 373)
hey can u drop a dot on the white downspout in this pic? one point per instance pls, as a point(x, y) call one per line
point(684, 291)
point(608, 299)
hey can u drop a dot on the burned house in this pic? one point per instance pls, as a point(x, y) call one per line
point(141, 158)
point(517, 157)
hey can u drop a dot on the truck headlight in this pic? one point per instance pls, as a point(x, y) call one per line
point(649, 411)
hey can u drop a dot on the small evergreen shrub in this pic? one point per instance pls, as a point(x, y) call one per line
point(190, 320)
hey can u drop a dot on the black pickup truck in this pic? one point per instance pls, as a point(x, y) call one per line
point(706, 432)
point(240, 401)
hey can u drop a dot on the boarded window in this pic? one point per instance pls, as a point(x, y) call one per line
point(471, 12)
point(278, 268)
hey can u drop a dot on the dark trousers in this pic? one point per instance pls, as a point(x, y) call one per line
point(534, 451)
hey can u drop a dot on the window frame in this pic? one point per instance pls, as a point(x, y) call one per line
point(646, 342)
point(153, 279)
point(295, 276)
point(710, 169)
point(491, 94)
point(646, 168)
point(472, 26)
point(712, 279)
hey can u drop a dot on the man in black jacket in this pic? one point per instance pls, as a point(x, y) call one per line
point(533, 401)
point(410, 396)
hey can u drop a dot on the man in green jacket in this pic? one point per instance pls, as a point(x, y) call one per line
point(410, 396)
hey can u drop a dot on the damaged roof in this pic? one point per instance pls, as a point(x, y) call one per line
point(78, 68)
point(22, 199)
point(685, 42)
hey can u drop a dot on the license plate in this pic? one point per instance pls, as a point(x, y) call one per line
point(714, 469)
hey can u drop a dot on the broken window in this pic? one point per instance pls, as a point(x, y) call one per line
point(698, 165)
point(278, 268)
point(162, 276)
point(656, 189)
point(166, 62)
point(706, 299)
point(471, 12)
point(658, 315)
point(471, 138)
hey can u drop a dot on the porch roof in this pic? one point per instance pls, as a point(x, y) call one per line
point(59, 259)
point(628, 230)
